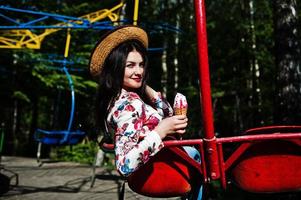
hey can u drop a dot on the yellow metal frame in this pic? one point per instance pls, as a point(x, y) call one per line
point(17, 39)
point(67, 46)
point(136, 9)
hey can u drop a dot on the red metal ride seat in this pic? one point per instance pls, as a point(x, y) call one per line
point(170, 173)
point(270, 166)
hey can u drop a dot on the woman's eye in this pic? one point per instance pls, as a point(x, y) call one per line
point(130, 65)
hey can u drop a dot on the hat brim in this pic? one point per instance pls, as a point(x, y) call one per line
point(110, 41)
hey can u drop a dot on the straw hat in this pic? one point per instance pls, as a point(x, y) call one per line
point(111, 40)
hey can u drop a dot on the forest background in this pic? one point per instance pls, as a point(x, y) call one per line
point(254, 57)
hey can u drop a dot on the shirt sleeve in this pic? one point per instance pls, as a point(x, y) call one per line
point(130, 151)
point(162, 105)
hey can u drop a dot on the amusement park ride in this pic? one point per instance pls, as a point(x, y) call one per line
point(265, 160)
point(18, 35)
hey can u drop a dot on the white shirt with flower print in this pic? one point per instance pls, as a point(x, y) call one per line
point(133, 122)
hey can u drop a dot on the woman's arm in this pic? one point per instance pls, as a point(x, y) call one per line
point(130, 151)
point(160, 103)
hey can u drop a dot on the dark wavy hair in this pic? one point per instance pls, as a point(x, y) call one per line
point(111, 78)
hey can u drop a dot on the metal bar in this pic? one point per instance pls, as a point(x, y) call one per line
point(34, 21)
point(104, 14)
point(205, 88)
point(67, 46)
point(72, 22)
point(68, 38)
point(204, 69)
point(65, 26)
point(9, 19)
point(236, 154)
point(261, 137)
point(273, 129)
point(136, 9)
point(72, 102)
point(41, 13)
point(222, 166)
point(171, 143)
point(34, 41)
point(204, 166)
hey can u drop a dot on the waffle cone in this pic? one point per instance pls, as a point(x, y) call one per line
point(180, 111)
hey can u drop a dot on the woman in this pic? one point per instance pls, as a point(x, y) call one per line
point(137, 115)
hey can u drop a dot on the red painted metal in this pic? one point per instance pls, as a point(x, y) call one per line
point(217, 167)
point(203, 165)
point(192, 142)
point(261, 137)
point(205, 88)
point(236, 154)
point(170, 143)
point(174, 166)
point(222, 166)
point(107, 146)
point(173, 143)
point(277, 145)
point(264, 162)
point(269, 166)
point(189, 142)
point(273, 129)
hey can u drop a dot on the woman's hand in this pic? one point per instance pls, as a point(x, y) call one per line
point(171, 125)
point(150, 92)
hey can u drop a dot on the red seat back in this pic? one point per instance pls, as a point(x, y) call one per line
point(170, 173)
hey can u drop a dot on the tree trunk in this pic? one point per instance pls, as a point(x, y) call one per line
point(287, 55)
point(164, 69)
point(15, 126)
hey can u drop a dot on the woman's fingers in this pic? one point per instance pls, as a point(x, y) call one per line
point(173, 124)
point(180, 117)
point(181, 125)
point(181, 131)
point(181, 122)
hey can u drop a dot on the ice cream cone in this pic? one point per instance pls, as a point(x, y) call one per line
point(180, 111)
point(180, 105)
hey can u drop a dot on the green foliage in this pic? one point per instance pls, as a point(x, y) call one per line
point(82, 153)
point(21, 96)
point(83, 86)
point(26, 75)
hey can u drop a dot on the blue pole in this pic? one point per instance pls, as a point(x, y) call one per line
point(72, 97)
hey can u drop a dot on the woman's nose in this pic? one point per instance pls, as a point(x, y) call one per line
point(138, 69)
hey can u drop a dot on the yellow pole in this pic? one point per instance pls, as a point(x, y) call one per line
point(67, 43)
point(136, 9)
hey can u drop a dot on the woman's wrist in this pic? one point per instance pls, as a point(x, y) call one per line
point(150, 92)
point(160, 133)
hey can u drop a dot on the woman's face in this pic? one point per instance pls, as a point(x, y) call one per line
point(134, 71)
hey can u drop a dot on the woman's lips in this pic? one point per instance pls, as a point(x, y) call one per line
point(138, 80)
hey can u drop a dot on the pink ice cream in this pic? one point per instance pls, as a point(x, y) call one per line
point(180, 104)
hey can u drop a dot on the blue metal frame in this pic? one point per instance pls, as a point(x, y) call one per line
point(62, 136)
point(72, 98)
point(69, 22)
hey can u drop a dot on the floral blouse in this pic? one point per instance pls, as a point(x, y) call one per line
point(133, 122)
